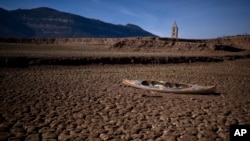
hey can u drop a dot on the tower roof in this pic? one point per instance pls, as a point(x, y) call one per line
point(174, 25)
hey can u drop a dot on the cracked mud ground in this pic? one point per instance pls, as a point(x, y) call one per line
point(90, 103)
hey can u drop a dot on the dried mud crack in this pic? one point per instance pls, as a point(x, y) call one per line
point(90, 103)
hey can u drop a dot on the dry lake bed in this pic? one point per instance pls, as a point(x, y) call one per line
point(90, 103)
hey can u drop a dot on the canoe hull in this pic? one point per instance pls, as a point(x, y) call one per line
point(162, 88)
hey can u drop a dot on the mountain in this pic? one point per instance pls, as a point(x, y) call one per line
point(49, 23)
point(11, 26)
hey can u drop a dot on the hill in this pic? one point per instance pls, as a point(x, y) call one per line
point(12, 26)
point(49, 23)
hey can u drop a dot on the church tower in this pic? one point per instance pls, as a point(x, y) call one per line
point(174, 31)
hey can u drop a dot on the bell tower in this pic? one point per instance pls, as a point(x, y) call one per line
point(174, 31)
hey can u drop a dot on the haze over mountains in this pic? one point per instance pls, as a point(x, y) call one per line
point(49, 23)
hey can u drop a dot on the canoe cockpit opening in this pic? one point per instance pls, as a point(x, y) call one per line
point(165, 84)
point(145, 83)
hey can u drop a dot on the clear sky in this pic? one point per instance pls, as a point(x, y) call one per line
point(195, 18)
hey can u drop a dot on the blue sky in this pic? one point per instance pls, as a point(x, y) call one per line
point(195, 18)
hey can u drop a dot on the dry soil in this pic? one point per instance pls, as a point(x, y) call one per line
point(90, 103)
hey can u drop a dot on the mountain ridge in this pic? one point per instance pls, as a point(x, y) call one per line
point(11, 25)
point(44, 22)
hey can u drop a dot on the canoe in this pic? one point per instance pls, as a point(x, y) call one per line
point(168, 87)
